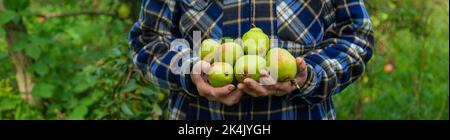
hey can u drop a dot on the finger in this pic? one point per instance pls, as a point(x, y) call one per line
point(285, 87)
point(244, 88)
point(268, 80)
point(198, 70)
point(222, 91)
point(279, 86)
point(205, 90)
point(205, 67)
point(264, 73)
point(210, 98)
point(251, 93)
point(201, 67)
point(241, 86)
point(301, 64)
point(275, 92)
point(255, 87)
point(233, 98)
point(280, 89)
point(205, 77)
point(198, 80)
point(270, 87)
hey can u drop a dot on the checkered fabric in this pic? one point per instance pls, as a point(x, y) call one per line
point(334, 36)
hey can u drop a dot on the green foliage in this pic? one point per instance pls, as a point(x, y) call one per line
point(6, 16)
point(82, 67)
point(16, 5)
point(415, 43)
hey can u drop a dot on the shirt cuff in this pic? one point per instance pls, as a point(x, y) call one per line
point(186, 82)
point(308, 86)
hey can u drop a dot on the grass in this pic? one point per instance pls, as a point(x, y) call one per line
point(417, 86)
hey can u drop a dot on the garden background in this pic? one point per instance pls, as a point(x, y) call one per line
point(69, 59)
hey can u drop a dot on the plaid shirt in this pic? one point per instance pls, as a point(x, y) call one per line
point(334, 36)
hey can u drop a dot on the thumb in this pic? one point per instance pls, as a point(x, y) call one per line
point(198, 79)
point(223, 91)
point(264, 73)
point(301, 64)
point(201, 67)
point(206, 67)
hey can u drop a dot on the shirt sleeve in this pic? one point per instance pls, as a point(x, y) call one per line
point(341, 58)
point(150, 41)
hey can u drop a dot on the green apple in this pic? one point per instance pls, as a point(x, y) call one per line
point(220, 74)
point(255, 41)
point(249, 66)
point(229, 52)
point(281, 64)
point(207, 49)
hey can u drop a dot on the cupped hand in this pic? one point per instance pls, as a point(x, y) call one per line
point(228, 94)
point(273, 87)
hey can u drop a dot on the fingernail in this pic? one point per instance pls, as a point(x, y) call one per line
point(231, 88)
point(240, 86)
point(263, 73)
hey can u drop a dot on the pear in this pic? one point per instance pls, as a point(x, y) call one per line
point(249, 66)
point(124, 11)
point(255, 41)
point(281, 64)
point(207, 49)
point(220, 74)
point(229, 52)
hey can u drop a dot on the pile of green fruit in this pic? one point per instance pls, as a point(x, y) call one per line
point(248, 59)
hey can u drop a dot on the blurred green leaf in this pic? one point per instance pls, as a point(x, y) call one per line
point(80, 87)
point(147, 91)
point(391, 5)
point(20, 45)
point(36, 40)
point(131, 86)
point(79, 112)
point(17, 5)
point(2, 33)
point(157, 109)
point(33, 51)
point(43, 90)
point(3, 55)
point(383, 16)
point(126, 109)
point(99, 114)
point(6, 16)
point(87, 101)
point(40, 68)
point(8, 104)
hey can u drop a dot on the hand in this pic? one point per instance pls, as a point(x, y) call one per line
point(228, 95)
point(255, 89)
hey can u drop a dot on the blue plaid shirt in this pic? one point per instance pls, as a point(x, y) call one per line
point(334, 36)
